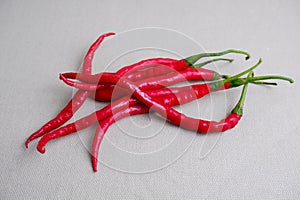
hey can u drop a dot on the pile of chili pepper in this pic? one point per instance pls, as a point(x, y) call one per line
point(135, 88)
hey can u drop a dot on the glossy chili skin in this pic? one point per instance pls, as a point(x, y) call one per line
point(197, 91)
point(201, 126)
point(172, 63)
point(155, 70)
point(79, 98)
point(143, 77)
point(69, 110)
point(177, 65)
point(75, 103)
point(165, 65)
point(113, 92)
point(146, 84)
point(151, 68)
point(227, 123)
point(177, 96)
point(143, 84)
point(106, 123)
point(209, 126)
point(146, 99)
point(171, 114)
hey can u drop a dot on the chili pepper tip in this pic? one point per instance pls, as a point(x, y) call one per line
point(41, 149)
point(64, 79)
point(94, 163)
point(60, 76)
point(109, 33)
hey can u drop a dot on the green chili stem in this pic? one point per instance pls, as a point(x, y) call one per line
point(242, 73)
point(235, 78)
point(238, 109)
point(210, 61)
point(258, 78)
point(255, 80)
point(193, 59)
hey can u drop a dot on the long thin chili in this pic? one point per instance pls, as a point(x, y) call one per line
point(75, 103)
point(136, 88)
point(81, 96)
point(170, 97)
point(227, 123)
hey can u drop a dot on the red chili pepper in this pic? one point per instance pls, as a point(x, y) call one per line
point(156, 71)
point(167, 96)
point(163, 70)
point(175, 96)
point(75, 103)
point(171, 114)
point(197, 74)
point(179, 64)
point(80, 96)
point(183, 95)
point(147, 84)
point(111, 92)
point(143, 85)
point(208, 126)
point(175, 65)
point(105, 124)
point(178, 118)
point(211, 126)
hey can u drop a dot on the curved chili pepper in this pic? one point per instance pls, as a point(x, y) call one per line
point(168, 112)
point(175, 65)
point(201, 126)
point(176, 96)
point(169, 97)
point(199, 90)
point(179, 64)
point(213, 86)
point(152, 83)
point(147, 84)
point(64, 115)
point(177, 118)
point(157, 70)
point(229, 122)
point(143, 85)
point(193, 73)
point(105, 124)
point(113, 92)
point(209, 126)
point(75, 103)
point(80, 96)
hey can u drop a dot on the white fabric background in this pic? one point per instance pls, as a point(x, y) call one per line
point(259, 159)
